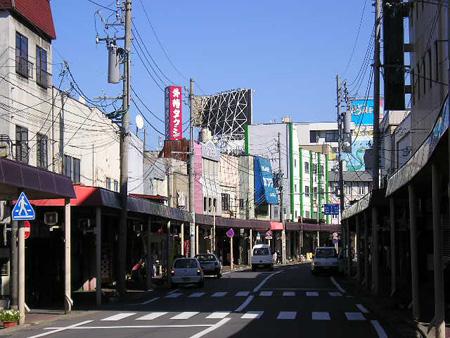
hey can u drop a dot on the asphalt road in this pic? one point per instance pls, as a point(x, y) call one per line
point(288, 302)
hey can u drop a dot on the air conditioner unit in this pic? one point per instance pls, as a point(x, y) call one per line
point(50, 218)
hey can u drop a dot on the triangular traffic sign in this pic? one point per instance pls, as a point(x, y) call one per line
point(23, 211)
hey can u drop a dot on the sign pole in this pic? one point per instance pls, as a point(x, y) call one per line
point(231, 254)
point(21, 291)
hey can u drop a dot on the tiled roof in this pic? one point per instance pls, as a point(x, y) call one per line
point(38, 13)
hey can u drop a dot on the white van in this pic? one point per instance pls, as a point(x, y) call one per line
point(262, 257)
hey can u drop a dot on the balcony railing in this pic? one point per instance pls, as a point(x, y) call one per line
point(24, 67)
point(43, 78)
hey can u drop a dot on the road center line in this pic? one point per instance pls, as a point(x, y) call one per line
point(245, 303)
point(380, 331)
point(340, 288)
point(60, 329)
point(211, 329)
point(260, 285)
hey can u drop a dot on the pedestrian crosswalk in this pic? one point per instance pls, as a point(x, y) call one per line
point(248, 315)
point(245, 293)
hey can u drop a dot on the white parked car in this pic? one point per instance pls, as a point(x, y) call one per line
point(186, 271)
point(210, 264)
point(325, 259)
point(262, 257)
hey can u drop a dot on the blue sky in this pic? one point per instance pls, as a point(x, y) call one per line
point(287, 51)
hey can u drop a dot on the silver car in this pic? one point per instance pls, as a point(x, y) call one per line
point(210, 264)
point(186, 271)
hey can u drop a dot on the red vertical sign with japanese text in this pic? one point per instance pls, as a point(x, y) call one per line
point(173, 113)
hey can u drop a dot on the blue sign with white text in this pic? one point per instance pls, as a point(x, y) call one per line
point(265, 191)
point(23, 211)
point(331, 209)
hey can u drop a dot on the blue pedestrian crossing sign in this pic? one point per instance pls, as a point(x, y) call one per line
point(23, 211)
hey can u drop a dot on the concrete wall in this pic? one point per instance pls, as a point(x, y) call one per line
point(229, 173)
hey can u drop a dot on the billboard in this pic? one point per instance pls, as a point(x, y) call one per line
point(174, 113)
point(265, 191)
point(362, 111)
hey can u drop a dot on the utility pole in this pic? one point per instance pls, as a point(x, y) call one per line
point(124, 144)
point(280, 186)
point(376, 147)
point(191, 170)
point(169, 197)
point(341, 133)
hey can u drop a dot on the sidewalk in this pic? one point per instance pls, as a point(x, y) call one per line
point(386, 308)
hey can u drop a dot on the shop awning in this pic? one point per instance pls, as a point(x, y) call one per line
point(37, 183)
point(222, 222)
point(99, 197)
point(276, 226)
point(296, 226)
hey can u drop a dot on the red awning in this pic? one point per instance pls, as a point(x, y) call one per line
point(276, 226)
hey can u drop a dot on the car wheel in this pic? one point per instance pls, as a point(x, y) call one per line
point(201, 284)
point(219, 275)
point(253, 268)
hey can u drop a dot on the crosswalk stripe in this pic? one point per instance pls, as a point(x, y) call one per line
point(218, 294)
point(266, 293)
point(252, 315)
point(362, 308)
point(152, 315)
point(242, 293)
point(118, 316)
point(312, 294)
point(287, 315)
point(289, 294)
point(218, 315)
point(174, 295)
point(320, 316)
point(196, 294)
point(355, 316)
point(335, 294)
point(185, 315)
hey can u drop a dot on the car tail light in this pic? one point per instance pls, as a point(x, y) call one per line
point(199, 272)
point(172, 272)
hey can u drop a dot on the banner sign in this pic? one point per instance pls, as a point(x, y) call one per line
point(265, 191)
point(173, 113)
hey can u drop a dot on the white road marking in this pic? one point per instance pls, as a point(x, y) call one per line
point(312, 294)
point(242, 294)
point(173, 291)
point(320, 316)
point(337, 284)
point(252, 315)
point(266, 293)
point(196, 294)
point(244, 304)
point(355, 316)
point(122, 327)
point(260, 285)
point(289, 294)
point(152, 315)
point(60, 329)
point(173, 295)
point(362, 308)
point(335, 294)
point(287, 315)
point(380, 331)
point(185, 315)
point(219, 294)
point(118, 316)
point(149, 301)
point(218, 315)
point(211, 329)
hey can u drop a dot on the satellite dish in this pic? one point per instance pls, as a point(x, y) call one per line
point(139, 121)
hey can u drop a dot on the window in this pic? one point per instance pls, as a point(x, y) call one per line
point(23, 66)
point(307, 214)
point(21, 144)
point(205, 204)
point(331, 136)
point(295, 187)
point(418, 81)
point(42, 77)
point(116, 185)
point(307, 167)
point(210, 205)
point(362, 188)
point(72, 170)
point(241, 204)
point(108, 183)
point(295, 163)
point(215, 204)
point(315, 169)
point(321, 170)
point(313, 136)
point(41, 151)
point(225, 202)
point(315, 192)
point(306, 191)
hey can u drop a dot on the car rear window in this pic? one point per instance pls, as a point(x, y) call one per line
point(205, 258)
point(326, 253)
point(185, 264)
point(261, 252)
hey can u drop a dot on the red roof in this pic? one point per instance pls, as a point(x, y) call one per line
point(37, 12)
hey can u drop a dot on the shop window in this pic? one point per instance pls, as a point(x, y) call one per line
point(41, 151)
point(225, 202)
